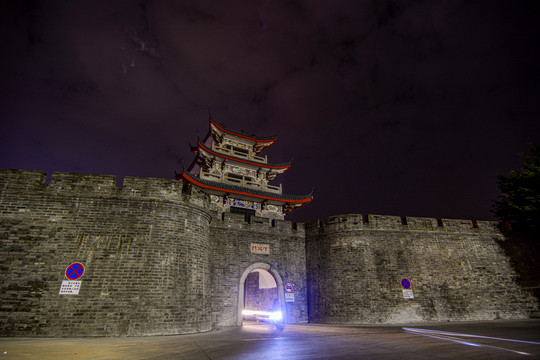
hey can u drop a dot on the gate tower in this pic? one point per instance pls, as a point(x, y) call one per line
point(227, 166)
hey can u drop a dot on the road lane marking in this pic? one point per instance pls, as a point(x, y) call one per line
point(454, 337)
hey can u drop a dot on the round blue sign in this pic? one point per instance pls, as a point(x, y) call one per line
point(289, 287)
point(405, 283)
point(75, 271)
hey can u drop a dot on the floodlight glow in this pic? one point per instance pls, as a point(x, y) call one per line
point(256, 312)
point(275, 316)
point(272, 316)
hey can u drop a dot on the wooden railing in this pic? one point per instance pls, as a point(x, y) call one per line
point(239, 154)
point(240, 182)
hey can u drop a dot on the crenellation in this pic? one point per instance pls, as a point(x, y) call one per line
point(257, 223)
point(489, 226)
point(421, 223)
point(151, 187)
point(282, 225)
point(64, 182)
point(162, 260)
point(385, 222)
point(352, 222)
point(337, 223)
point(299, 228)
point(22, 179)
point(313, 227)
point(70, 184)
point(233, 220)
point(458, 225)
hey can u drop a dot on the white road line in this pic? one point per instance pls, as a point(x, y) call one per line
point(450, 336)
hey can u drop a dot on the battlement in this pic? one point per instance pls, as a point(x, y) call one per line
point(22, 179)
point(352, 222)
point(162, 245)
point(82, 183)
point(170, 189)
point(65, 183)
point(256, 223)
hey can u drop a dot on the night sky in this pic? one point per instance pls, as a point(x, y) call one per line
point(406, 108)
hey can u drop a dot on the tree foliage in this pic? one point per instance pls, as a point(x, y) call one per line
point(520, 204)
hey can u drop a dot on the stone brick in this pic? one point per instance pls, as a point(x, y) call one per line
point(457, 271)
point(161, 260)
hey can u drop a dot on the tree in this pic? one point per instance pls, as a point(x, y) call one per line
point(520, 204)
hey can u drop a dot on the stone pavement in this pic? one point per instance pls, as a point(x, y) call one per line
point(491, 340)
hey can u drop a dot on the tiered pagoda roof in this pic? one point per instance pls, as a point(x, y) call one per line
point(230, 170)
point(289, 201)
point(260, 143)
point(206, 156)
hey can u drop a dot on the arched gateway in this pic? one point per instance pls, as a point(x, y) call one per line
point(229, 167)
point(241, 293)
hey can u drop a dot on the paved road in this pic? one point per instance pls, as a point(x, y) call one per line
point(260, 341)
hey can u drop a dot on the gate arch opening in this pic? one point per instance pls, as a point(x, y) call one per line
point(266, 275)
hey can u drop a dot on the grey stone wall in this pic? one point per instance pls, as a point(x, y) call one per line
point(145, 248)
point(231, 237)
point(257, 298)
point(355, 265)
point(160, 260)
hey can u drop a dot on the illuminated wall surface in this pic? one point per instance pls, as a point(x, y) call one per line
point(160, 261)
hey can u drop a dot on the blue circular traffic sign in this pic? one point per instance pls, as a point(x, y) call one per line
point(405, 283)
point(289, 287)
point(75, 271)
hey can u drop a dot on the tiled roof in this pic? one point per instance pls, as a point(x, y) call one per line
point(271, 139)
point(301, 199)
point(284, 165)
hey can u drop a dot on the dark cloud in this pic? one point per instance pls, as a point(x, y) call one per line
point(405, 108)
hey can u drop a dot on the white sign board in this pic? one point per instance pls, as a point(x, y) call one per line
point(408, 294)
point(260, 249)
point(70, 287)
point(289, 297)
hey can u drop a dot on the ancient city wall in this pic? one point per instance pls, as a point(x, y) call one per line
point(160, 260)
point(456, 268)
point(232, 236)
point(145, 247)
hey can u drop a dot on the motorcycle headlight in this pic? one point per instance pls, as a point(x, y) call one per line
point(275, 316)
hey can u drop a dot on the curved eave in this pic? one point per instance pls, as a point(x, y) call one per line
point(283, 167)
point(265, 142)
point(286, 199)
